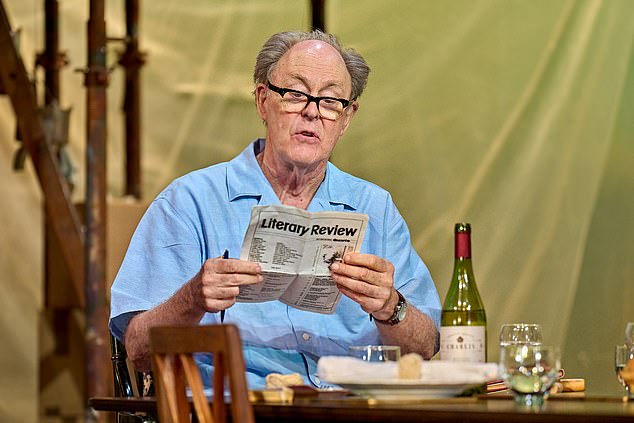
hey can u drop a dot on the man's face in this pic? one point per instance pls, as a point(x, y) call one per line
point(305, 139)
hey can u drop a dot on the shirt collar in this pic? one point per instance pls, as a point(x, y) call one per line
point(246, 179)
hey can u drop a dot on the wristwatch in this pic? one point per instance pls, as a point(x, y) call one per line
point(399, 312)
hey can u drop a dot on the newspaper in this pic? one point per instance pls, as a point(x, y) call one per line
point(295, 249)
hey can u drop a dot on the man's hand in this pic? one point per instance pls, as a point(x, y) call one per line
point(368, 280)
point(218, 282)
point(214, 288)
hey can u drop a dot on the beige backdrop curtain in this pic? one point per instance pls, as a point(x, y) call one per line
point(516, 116)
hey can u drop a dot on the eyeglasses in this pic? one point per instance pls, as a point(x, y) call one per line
point(294, 101)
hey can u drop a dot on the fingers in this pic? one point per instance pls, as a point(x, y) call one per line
point(368, 268)
point(221, 293)
point(369, 261)
point(366, 279)
point(362, 287)
point(231, 272)
point(368, 304)
point(220, 281)
point(217, 298)
point(353, 295)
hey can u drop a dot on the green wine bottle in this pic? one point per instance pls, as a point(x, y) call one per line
point(463, 321)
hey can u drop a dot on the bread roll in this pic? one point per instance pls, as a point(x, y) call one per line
point(277, 380)
point(409, 366)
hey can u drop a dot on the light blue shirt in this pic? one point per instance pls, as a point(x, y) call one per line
point(203, 213)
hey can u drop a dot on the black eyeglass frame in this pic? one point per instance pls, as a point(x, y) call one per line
point(281, 91)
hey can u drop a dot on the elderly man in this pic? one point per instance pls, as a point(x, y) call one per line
point(306, 90)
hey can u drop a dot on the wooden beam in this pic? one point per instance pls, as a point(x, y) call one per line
point(132, 60)
point(62, 212)
point(51, 59)
point(318, 14)
point(96, 311)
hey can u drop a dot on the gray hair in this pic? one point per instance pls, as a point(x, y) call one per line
point(280, 43)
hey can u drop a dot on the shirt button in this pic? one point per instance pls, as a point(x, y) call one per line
point(317, 381)
point(305, 336)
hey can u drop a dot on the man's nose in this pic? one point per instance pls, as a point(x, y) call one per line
point(312, 109)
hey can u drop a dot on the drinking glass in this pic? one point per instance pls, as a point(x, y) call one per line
point(520, 334)
point(629, 334)
point(529, 371)
point(622, 354)
point(375, 352)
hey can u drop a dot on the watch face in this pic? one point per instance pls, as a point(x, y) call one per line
point(400, 314)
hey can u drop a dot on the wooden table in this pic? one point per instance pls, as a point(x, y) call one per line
point(332, 409)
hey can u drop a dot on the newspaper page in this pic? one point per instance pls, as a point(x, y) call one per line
point(295, 249)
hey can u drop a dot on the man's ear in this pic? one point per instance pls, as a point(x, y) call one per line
point(347, 116)
point(260, 98)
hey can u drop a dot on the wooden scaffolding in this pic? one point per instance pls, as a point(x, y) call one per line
point(81, 239)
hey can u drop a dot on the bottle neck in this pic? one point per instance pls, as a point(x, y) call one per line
point(463, 245)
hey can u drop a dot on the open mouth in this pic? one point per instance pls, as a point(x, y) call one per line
point(308, 134)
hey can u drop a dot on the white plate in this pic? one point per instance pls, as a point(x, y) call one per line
point(406, 391)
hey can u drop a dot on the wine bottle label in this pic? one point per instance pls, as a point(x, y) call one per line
point(463, 343)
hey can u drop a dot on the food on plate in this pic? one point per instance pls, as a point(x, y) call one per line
point(409, 366)
point(277, 380)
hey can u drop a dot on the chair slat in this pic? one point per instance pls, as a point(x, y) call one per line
point(219, 388)
point(172, 403)
point(201, 404)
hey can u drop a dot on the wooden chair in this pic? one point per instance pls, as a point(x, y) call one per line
point(175, 369)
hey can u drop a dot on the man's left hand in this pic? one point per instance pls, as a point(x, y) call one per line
point(368, 280)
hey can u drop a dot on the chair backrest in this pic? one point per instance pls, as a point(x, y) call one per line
point(124, 384)
point(175, 369)
point(122, 381)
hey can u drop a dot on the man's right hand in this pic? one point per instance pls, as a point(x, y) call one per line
point(218, 282)
point(214, 288)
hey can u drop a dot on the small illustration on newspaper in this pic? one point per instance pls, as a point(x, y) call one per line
point(295, 249)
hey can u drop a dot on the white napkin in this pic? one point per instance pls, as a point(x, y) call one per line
point(439, 371)
point(341, 369)
point(338, 369)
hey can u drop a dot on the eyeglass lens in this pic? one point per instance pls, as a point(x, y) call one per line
point(296, 102)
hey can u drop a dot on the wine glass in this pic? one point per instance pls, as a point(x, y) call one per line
point(376, 353)
point(529, 371)
point(629, 334)
point(520, 334)
point(622, 355)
